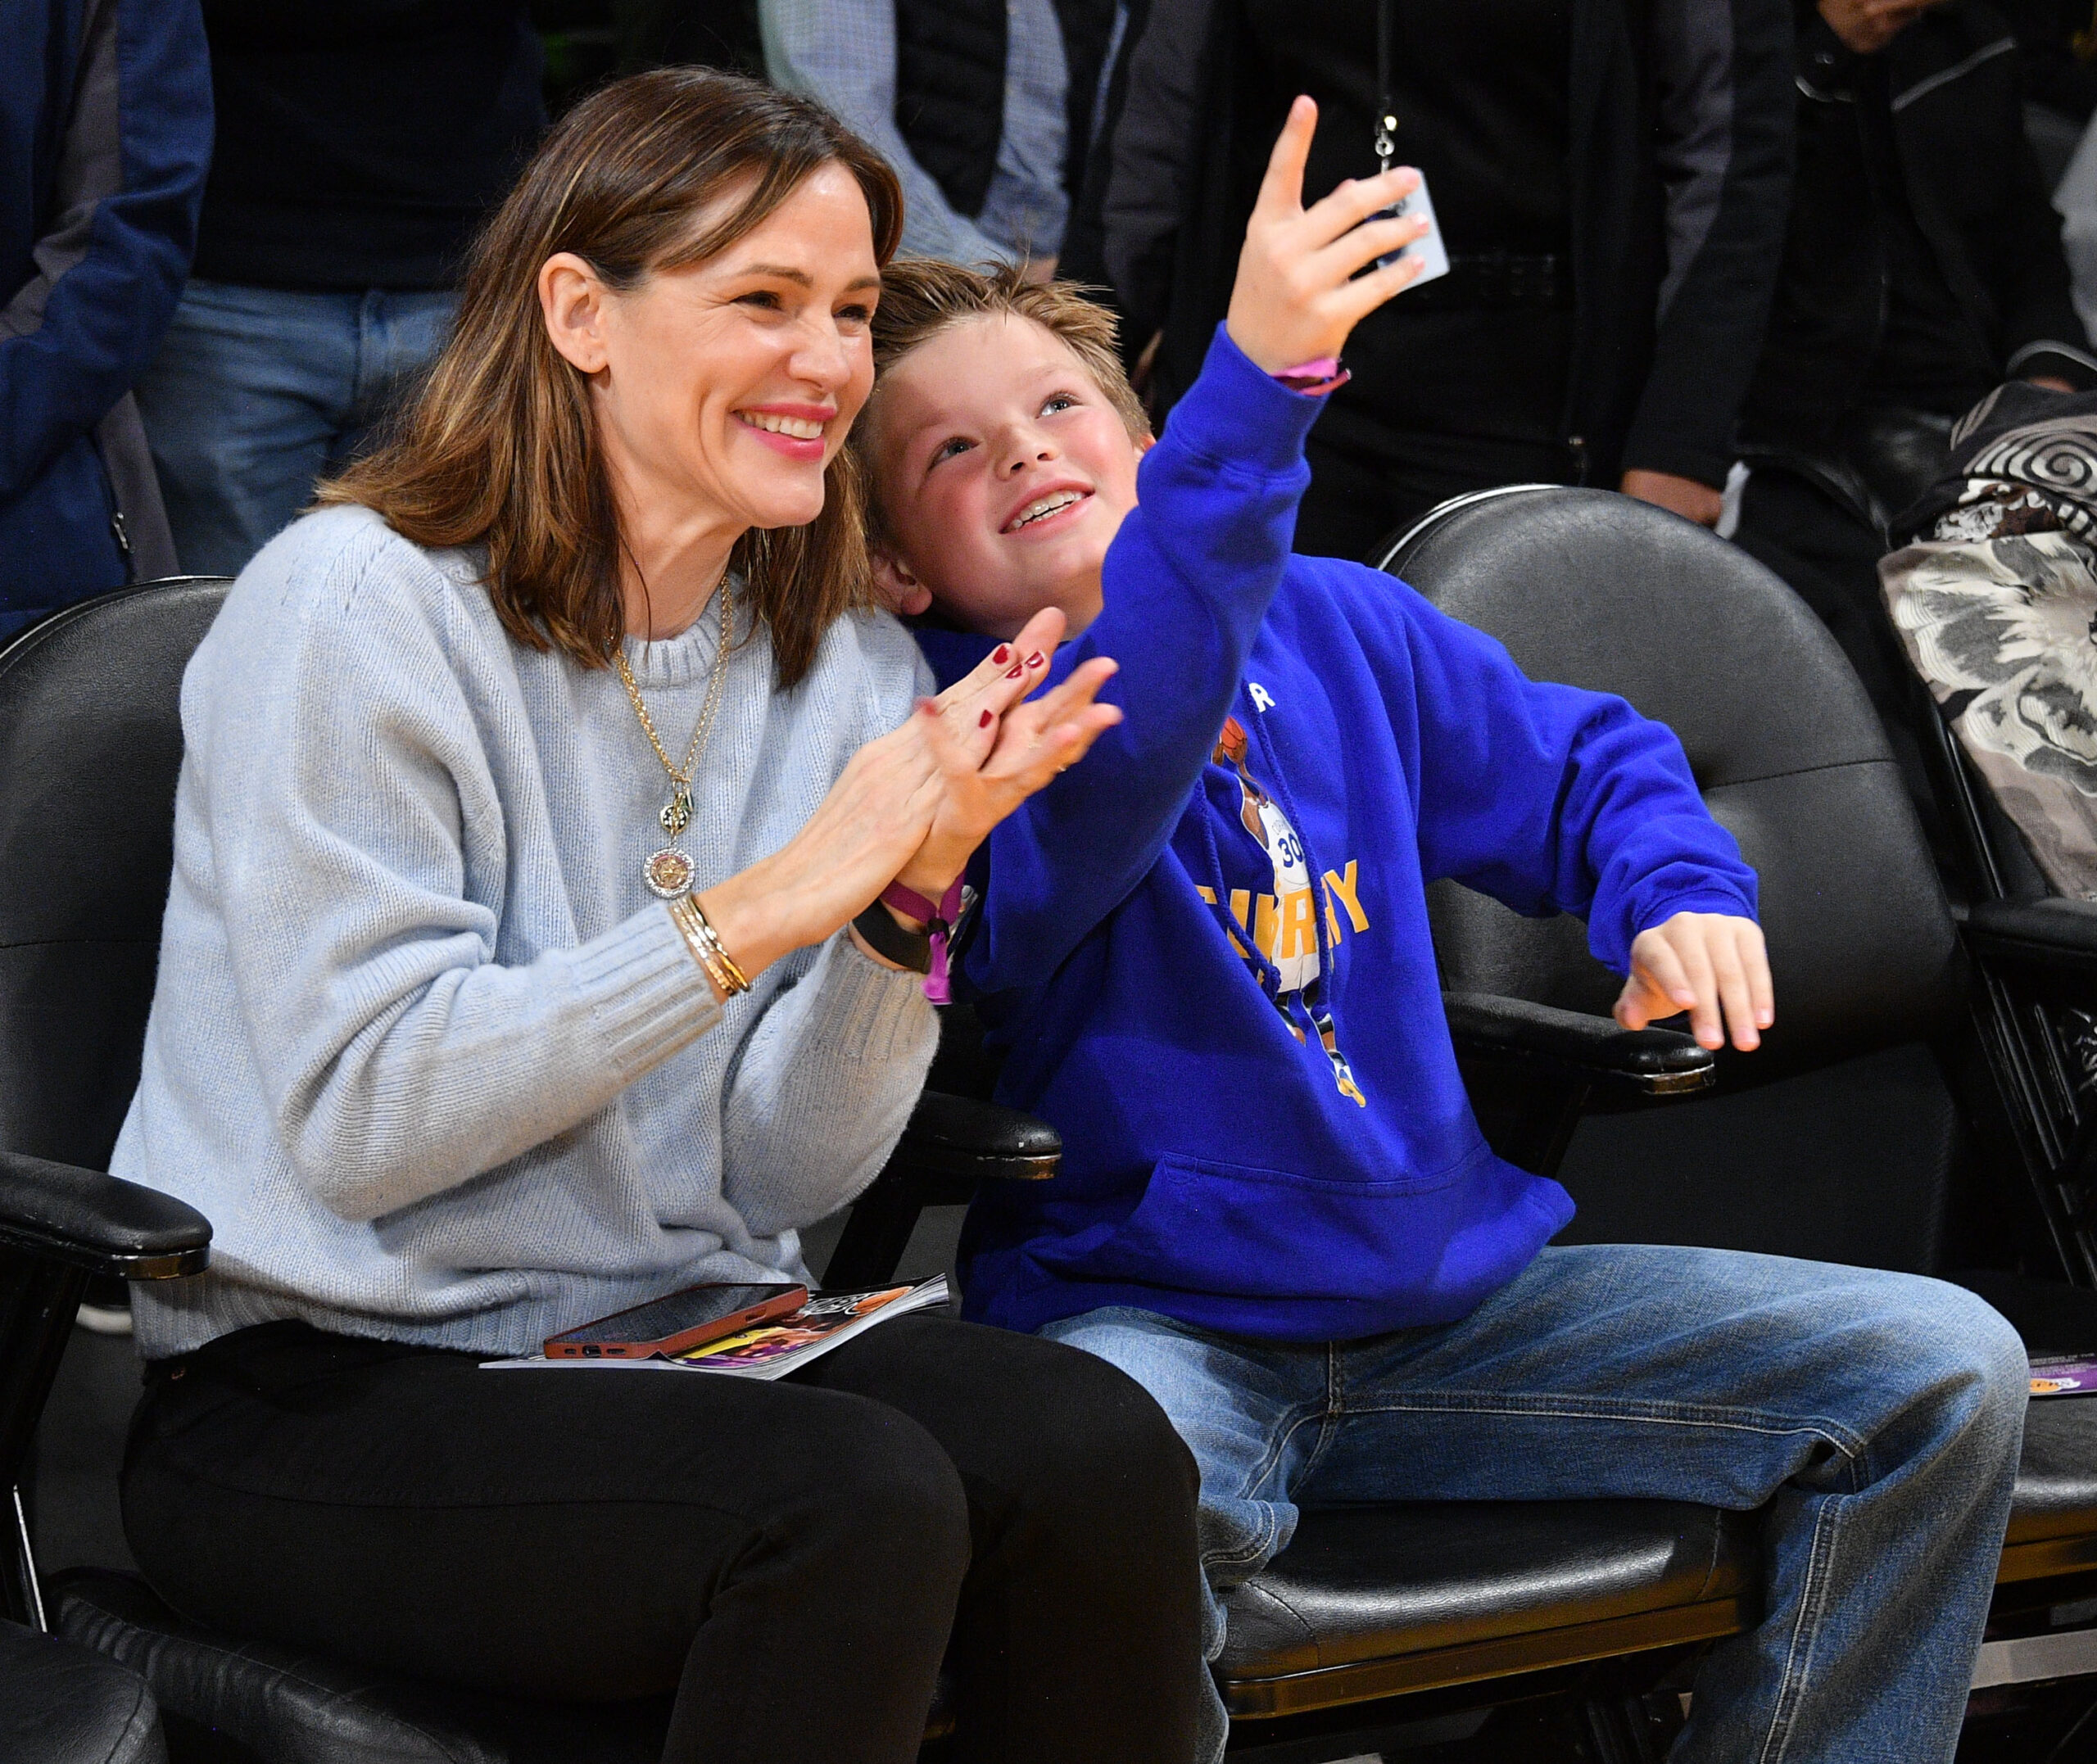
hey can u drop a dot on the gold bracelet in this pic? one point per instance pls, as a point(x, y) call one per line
point(738, 981)
point(705, 947)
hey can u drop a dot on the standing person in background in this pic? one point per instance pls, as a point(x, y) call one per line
point(984, 107)
point(359, 145)
point(1610, 182)
point(1923, 268)
point(104, 132)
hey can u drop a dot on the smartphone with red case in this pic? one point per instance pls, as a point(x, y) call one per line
point(679, 1323)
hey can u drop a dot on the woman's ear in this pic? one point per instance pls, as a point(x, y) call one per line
point(899, 591)
point(572, 301)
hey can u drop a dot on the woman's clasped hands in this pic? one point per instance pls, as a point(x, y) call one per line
point(913, 805)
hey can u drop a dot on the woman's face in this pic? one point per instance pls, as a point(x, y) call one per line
point(721, 390)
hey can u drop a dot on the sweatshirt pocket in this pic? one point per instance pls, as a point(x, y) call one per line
point(1236, 1229)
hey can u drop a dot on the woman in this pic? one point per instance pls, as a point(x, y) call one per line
point(448, 1076)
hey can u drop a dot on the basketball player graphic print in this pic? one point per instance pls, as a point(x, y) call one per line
point(1290, 938)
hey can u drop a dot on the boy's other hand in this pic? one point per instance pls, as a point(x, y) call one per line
point(1297, 294)
point(1714, 965)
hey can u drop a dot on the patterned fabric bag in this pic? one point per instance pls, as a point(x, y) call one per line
point(1997, 605)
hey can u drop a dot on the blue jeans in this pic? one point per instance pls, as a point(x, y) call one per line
point(257, 393)
point(1877, 1416)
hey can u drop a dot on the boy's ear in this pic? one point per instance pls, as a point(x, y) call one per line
point(899, 591)
point(1144, 442)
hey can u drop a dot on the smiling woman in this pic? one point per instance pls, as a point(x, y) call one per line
point(702, 267)
point(491, 1003)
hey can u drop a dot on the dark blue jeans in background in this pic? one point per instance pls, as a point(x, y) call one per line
point(257, 393)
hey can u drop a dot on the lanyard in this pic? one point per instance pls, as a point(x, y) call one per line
point(1387, 117)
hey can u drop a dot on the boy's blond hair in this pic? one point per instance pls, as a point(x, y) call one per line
point(922, 296)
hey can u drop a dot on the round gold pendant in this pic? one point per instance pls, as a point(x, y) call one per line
point(668, 873)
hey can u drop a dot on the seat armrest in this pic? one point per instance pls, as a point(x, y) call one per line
point(951, 1144)
point(958, 1136)
point(60, 1212)
point(2059, 936)
point(1647, 1062)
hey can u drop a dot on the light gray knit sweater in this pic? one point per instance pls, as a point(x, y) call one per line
point(423, 1049)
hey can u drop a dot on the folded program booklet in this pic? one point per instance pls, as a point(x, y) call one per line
point(772, 1350)
point(2069, 1375)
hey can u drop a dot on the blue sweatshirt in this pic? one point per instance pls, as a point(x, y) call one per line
point(1205, 950)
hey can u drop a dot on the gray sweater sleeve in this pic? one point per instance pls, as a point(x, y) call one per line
point(821, 1088)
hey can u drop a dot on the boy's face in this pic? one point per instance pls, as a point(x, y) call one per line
point(1003, 474)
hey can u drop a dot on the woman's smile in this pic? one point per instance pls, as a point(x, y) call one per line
point(798, 431)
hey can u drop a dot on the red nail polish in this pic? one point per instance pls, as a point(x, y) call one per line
point(1014, 671)
point(1002, 655)
point(1036, 659)
point(984, 721)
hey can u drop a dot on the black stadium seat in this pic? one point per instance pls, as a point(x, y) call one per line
point(1885, 1007)
point(1369, 1602)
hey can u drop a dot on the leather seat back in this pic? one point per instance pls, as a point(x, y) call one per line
point(1601, 592)
point(90, 745)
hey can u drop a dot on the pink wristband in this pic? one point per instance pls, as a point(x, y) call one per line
point(1314, 379)
point(939, 916)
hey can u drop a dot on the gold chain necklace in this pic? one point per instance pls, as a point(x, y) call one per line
point(669, 871)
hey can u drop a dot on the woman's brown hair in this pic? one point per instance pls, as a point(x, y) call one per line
point(499, 448)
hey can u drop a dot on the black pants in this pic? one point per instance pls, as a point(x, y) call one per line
point(1365, 492)
point(788, 1558)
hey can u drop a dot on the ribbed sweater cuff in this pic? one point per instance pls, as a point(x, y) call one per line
point(874, 1011)
point(646, 995)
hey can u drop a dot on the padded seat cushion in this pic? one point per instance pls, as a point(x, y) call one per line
point(62, 1703)
point(294, 1708)
point(1367, 1583)
point(1363, 1584)
point(2056, 1480)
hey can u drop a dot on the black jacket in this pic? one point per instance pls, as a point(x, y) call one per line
point(362, 142)
point(950, 87)
point(1681, 126)
point(1949, 93)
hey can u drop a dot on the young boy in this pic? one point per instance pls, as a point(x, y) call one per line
point(1205, 953)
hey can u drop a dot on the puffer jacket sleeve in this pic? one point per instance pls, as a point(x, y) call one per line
point(120, 225)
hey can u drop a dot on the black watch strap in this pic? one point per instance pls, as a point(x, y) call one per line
point(906, 949)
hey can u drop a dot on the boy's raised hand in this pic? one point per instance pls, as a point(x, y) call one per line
point(1296, 298)
point(1714, 965)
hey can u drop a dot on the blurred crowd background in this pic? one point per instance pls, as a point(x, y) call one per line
point(1749, 259)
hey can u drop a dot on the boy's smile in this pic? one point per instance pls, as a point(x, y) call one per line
point(1039, 513)
point(1003, 472)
